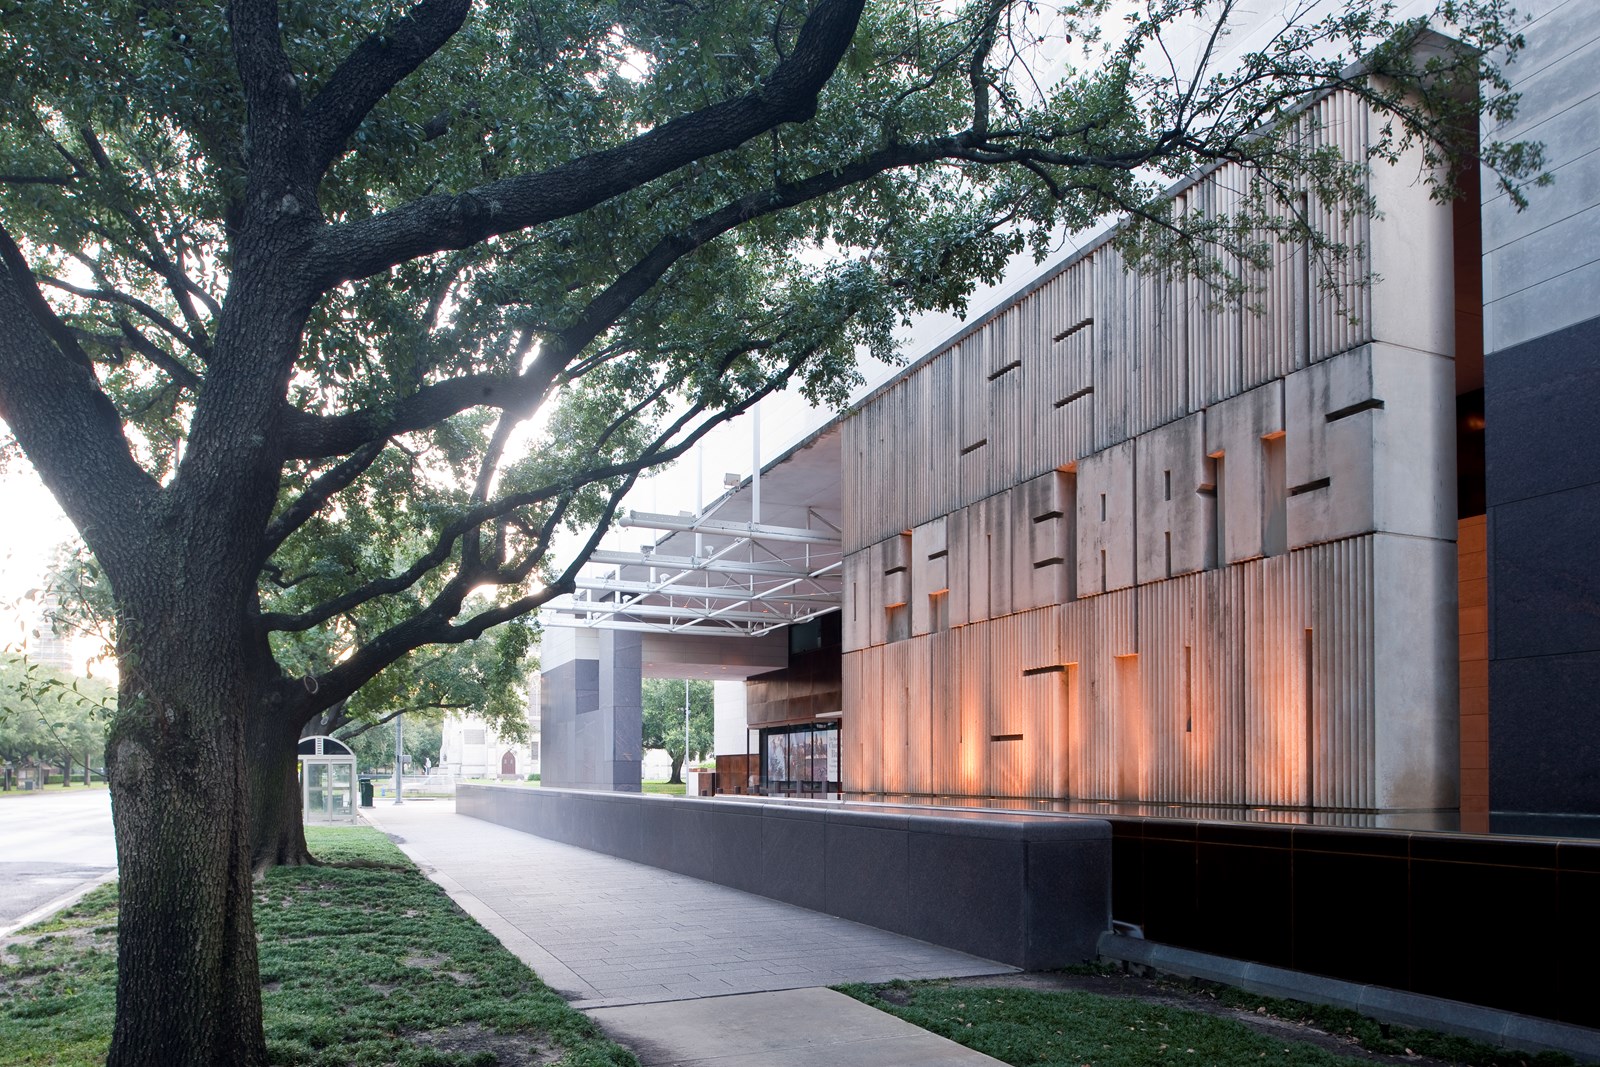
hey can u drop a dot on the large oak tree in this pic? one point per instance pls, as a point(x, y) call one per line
point(279, 282)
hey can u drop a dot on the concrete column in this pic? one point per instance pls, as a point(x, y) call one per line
point(569, 698)
point(620, 711)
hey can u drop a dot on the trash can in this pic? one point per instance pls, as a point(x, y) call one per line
point(366, 792)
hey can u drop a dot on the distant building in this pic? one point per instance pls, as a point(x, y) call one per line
point(472, 748)
point(1111, 546)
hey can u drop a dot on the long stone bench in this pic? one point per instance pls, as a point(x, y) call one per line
point(1033, 893)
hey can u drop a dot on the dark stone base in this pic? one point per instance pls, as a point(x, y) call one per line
point(1032, 893)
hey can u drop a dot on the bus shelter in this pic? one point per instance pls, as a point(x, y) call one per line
point(327, 780)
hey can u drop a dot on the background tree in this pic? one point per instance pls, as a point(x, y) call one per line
point(279, 285)
point(663, 720)
point(50, 716)
point(374, 748)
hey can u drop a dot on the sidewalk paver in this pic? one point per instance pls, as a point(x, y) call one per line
point(607, 932)
point(791, 1028)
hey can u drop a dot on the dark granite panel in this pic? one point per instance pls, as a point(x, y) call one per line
point(737, 861)
point(655, 834)
point(1033, 892)
point(694, 838)
point(1127, 886)
point(1540, 399)
point(1244, 901)
point(1248, 835)
point(1579, 856)
point(1393, 843)
point(1350, 917)
point(1171, 894)
point(792, 851)
point(1544, 735)
point(1066, 870)
point(1546, 582)
point(1577, 928)
point(967, 892)
point(1487, 950)
point(865, 872)
point(1471, 848)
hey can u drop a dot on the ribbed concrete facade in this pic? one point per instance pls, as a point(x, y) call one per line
point(1117, 544)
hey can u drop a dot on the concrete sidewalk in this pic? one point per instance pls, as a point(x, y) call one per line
point(683, 971)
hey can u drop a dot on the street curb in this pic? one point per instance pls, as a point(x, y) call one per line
point(44, 911)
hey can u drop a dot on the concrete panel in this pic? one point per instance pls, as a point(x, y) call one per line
point(1174, 518)
point(1411, 251)
point(1415, 675)
point(1371, 446)
point(1105, 520)
point(1569, 147)
point(930, 573)
point(1553, 87)
point(1234, 429)
point(1330, 464)
point(1536, 310)
point(1543, 255)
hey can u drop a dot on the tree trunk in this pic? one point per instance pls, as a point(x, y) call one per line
point(277, 820)
point(677, 769)
point(188, 988)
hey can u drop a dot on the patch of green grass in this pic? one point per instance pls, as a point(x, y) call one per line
point(674, 789)
point(1385, 1038)
point(1068, 1029)
point(368, 963)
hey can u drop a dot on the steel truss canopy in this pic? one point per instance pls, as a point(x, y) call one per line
point(765, 555)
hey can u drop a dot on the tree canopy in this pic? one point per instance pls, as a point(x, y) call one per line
point(284, 286)
point(49, 716)
point(663, 719)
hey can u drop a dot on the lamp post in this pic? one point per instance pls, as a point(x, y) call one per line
point(686, 730)
point(399, 758)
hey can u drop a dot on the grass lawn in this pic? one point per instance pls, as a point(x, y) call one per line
point(675, 789)
point(368, 963)
point(54, 787)
point(1066, 1028)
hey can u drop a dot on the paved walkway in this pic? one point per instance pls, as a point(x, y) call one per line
point(606, 931)
point(687, 973)
point(54, 847)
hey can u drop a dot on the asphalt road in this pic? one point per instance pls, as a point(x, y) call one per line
point(52, 846)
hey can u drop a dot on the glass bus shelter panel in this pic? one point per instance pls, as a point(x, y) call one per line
point(340, 805)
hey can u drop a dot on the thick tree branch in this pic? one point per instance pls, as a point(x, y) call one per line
point(434, 223)
point(69, 430)
point(368, 74)
point(318, 493)
point(314, 436)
